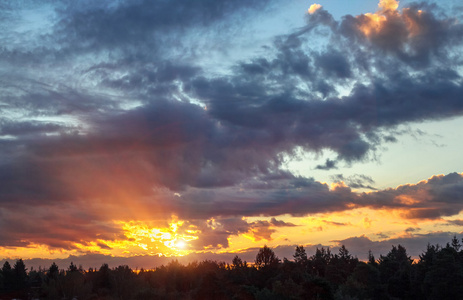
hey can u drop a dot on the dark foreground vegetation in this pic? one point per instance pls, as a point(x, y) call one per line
point(438, 274)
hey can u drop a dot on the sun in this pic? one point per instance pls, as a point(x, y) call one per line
point(180, 244)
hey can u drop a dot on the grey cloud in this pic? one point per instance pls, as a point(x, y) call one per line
point(329, 165)
point(58, 226)
point(439, 196)
point(142, 30)
point(334, 64)
point(382, 235)
point(392, 97)
point(412, 229)
point(415, 35)
point(214, 233)
point(279, 223)
point(335, 223)
point(415, 201)
point(287, 197)
point(29, 128)
point(355, 181)
point(321, 17)
point(455, 222)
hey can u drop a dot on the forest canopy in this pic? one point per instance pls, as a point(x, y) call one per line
point(437, 274)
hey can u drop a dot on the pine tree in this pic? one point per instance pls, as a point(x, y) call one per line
point(456, 243)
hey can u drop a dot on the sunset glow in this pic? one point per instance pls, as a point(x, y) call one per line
point(157, 241)
point(139, 132)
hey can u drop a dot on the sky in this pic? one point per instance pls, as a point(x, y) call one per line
point(136, 132)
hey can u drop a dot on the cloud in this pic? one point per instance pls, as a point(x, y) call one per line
point(329, 165)
point(214, 233)
point(314, 7)
point(112, 111)
point(355, 181)
point(335, 223)
point(388, 5)
point(279, 223)
point(139, 30)
point(55, 227)
point(455, 222)
point(434, 198)
point(414, 35)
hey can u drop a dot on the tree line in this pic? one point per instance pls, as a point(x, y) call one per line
point(437, 274)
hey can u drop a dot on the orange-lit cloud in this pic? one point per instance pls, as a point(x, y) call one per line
point(371, 23)
point(374, 23)
point(314, 7)
point(388, 5)
point(428, 199)
point(396, 30)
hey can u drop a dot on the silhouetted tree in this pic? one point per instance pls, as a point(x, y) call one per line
point(363, 283)
point(300, 256)
point(53, 271)
point(7, 274)
point(103, 281)
point(437, 275)
point(317, 288)
point(456, 243)
point(371, 259)
point(319, 261)
point(74, 284)
point(124, 282)
point(237, 262)
point(52, 288)
point(210, 288)
point(444, 275)
point(395, 270)
point(340, 266)
point(72, 267)
point(266, 257)
point(19, 275)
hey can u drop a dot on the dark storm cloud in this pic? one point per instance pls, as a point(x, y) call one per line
point(137, 121)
